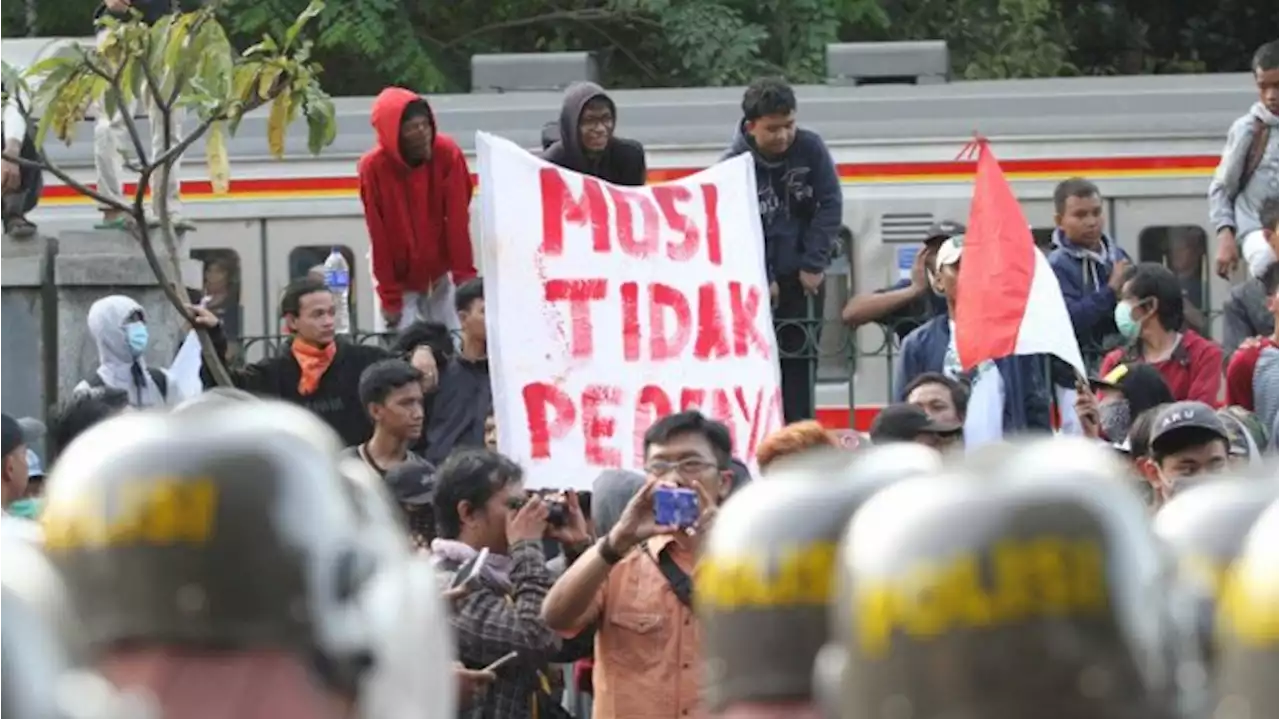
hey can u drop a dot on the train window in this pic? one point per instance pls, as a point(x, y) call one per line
point(222, 290)
point(308, 260)
point(1183, 249)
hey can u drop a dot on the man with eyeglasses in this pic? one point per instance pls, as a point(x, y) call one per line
point(635, 585)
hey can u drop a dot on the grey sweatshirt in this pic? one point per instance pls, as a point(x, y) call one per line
point(1230, 205)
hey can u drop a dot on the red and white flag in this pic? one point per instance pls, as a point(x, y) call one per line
point(1008, 299)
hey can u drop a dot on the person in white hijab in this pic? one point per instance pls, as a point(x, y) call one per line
point(118, 325)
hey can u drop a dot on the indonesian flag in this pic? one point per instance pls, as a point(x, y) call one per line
point(1008, 300)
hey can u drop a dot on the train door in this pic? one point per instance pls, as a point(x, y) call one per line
point(297, 247)
point(1173, 232)
point(230, 252)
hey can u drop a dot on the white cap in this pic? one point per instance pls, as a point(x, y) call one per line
point(948, 252)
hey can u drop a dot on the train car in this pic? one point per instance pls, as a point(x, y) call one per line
point(1150, 143)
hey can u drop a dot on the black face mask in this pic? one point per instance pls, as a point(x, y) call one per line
point(1116, 418)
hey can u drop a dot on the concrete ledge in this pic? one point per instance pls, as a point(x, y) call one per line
point(22, 272)
point(115, 270)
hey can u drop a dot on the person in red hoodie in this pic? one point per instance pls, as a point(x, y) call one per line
point(1149, 314)
point(416, 189)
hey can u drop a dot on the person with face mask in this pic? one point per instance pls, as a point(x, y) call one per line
point(1188, 441)
point(1150, 317)
point(1125, 392)
point(224, 561)
point(119, 327)
point(763, 586)
point(983, 593)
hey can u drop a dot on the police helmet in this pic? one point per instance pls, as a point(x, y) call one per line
point(993, 597)
point(764, 581)
point(234, 526)
point(215, 396)
point(39, 680)
point(1246, 633)
point(1205, 527)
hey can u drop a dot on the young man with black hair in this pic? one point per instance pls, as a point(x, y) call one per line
point(480, 503)
point(941, 397)
point(81, 411)
point(315, 369)
point(1250, 166)
point(465, 395)
point(801, 209)
point(1088, 263)
point(586, 142)
point(1150, 317)
point(910, 302)
point(1188, 441)
point(635, 585)
point(391, 393)
point(416, 190)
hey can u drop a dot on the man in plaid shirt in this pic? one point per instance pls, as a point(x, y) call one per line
point(480, 502)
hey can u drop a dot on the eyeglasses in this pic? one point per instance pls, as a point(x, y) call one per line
point(688, 468)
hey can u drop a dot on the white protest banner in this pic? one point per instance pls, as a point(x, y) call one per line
point(608, 307)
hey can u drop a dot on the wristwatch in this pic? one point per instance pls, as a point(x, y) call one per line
point(606, 551)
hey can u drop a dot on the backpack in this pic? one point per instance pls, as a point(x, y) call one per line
point(157, 376)
point(1257, 150)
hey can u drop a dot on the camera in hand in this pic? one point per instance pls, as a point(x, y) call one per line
point(557, 509)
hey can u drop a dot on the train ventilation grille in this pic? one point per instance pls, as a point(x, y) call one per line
point(905, 226)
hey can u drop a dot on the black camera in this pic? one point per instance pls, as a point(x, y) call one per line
point(557, 510)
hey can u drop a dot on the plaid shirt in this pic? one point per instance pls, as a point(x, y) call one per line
point(490, 623)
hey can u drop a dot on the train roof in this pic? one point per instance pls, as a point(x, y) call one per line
point(1151, 107)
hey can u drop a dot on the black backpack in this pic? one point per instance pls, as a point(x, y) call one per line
point(160, 378)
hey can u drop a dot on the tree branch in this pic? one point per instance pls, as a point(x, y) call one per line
point(586, 15)
point(46, 165)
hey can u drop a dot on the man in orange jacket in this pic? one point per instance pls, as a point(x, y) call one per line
point(416, 190)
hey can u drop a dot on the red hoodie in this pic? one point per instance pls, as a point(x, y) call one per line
point(418, 217)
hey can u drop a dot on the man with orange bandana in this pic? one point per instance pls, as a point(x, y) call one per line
point(416, 190)
point(316, 370)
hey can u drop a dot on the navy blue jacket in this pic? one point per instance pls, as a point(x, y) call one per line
point(801, 204)
point(1026, 389)
point(1090, 302)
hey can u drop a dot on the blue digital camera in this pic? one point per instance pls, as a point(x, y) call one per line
point(675, 507)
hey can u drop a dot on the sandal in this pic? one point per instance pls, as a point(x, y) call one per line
point(19, 227)
point(120, 222)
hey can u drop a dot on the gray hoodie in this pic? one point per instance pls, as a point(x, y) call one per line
point(117, 367)
point(1229, 204)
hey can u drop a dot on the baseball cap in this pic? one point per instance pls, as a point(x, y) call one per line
point(35, 468)
point(949, 252)
point(412, 482)
point(902, 422)
point(1186, 415)
point(942, 229)
point(15, 432)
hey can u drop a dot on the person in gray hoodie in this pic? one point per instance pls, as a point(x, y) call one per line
point(1249, 171)
point(587, 143)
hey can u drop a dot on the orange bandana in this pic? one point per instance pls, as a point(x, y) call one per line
point(313, 361)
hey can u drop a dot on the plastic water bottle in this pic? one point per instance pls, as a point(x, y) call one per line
point(337, 276)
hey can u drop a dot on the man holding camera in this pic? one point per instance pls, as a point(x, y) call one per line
point(480, 504)
point(635, 585)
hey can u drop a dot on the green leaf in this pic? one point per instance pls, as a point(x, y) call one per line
point(215, 152)
point(267, 80)
point(277, 124)
point(266, 47)
point(322, 123)
point(314, 8)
